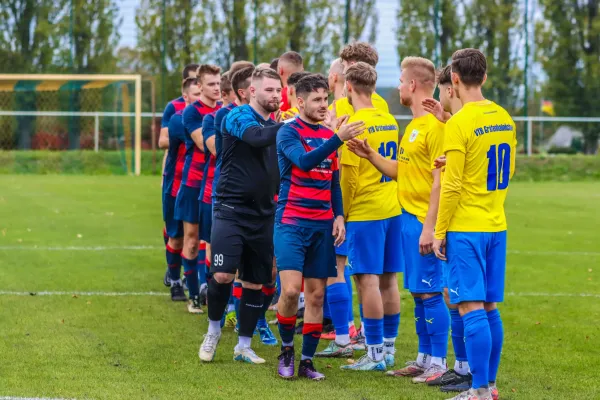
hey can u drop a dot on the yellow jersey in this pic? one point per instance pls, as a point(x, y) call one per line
point(422, 143)
point(289, 113)
point(343, 107)
point(375, 197)
point(482, 138)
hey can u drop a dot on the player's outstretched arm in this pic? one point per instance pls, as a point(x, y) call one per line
point(257, 136)
point(384, 165)
point(435, 107)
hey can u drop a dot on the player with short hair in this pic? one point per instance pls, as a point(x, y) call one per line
point(457, 379)
point(244, 214)
point(470, 233)
point(350, 55)
point(373, 223)
point(274, 63)
point(336, 79)
point(292, 98)
point(174, 164)
point(309, 219)
point(287, 64)
point(187, 205)
point(172, 107)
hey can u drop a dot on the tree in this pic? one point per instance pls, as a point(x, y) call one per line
point(569, 49)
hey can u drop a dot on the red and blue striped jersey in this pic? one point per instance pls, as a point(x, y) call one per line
point(208, 131)
point(175, 105)
point(309, 194)
point(175, 155)
point(193, 169)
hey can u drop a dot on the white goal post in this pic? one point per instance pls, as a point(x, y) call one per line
point(53, 82)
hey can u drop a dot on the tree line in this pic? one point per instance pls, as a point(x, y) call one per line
point(78, 36)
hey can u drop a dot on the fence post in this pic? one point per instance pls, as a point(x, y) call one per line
point(96, 132)
point(529, 138)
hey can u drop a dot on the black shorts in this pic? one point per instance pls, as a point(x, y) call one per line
point(243, 245)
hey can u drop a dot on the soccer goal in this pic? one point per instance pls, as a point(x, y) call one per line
point(99, 114)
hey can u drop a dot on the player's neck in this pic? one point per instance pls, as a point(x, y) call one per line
point(361, 101)
point(293, 103)
point(471, 95)
point(338, 92)
point(417, 106)
point(455, 106)
point(261, 111)
point(308, 120)
point(208, 102)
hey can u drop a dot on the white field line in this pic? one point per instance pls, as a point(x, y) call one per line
point(30, 398)
point(138, 248)
point(161, 294)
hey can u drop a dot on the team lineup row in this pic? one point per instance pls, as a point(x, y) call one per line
point(277, 184)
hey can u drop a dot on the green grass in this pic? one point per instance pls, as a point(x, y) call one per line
point(145, 347)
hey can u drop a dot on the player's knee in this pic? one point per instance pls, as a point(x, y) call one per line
point(251, 286)
point(427, 296)
point(447, 299)
point(223, 278)
point(291, 292)
point(315, 298)
point(490, 306)
point(176, 243)
point(467, 306)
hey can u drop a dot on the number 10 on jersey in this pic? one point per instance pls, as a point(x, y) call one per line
point(498, 167)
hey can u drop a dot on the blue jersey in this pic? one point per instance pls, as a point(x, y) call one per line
point(175, 155)
point(174, 106)
point(249, 177)
point(219, 118)
point(309, 193)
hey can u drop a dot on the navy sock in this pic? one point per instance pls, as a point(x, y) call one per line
point(174, 263)
point(236, 292)
point(337, 299)
point(458, 335)
point(478, 341)
point(311, 333)
point(497, 332)
point(251, 304)
point(326, 310)
point(438, 323)
point(287, 328)
point(201, 270)
point(421, 327)
point(348, 278)
point(191, 275)
point(268, 293)
point(218, 297)
point(165, 236)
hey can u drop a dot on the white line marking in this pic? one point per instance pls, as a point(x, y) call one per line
point(63, 293)
point(137, 248)
point(161, 294)
point(29, 398)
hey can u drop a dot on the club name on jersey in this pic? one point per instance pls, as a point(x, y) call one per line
point(324, 167)
point(382, 128)
point(493, 128)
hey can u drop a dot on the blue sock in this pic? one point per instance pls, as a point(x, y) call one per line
point(326, 311)
point(421, 327)
point(391, 323)
point(438, 323)
point(174, 263)
point(191, 275)
point(337, 298)
point(278, 285)
point(458, 335)
point(362, 316)
point(348, 278)
point(236, 291)
point(374, 330)
point(497, 331)
point(478, 341)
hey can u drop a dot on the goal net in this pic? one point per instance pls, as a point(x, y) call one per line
point(74, 123)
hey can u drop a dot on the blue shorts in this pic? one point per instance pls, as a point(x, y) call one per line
point(187, 206)
point(375, 247)
point(342, 249)
point(444, 274)
point(174, 227)
point(205, 221)
point(423, 274)
point(308, 250)
point(476, 266)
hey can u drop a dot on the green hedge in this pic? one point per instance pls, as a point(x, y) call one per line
point(529, 169)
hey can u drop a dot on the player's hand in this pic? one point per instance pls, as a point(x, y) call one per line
point(339, 231)
point(439, 248)
point(360, 147)
point(351, 130)
point(426, 242)
point(332, 121)
point(278, 115)
point(435, 107)
point(440, 162)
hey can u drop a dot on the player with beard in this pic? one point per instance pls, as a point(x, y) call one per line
point(244, 214)
point(309, 218)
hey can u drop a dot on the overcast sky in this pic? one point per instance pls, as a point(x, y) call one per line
point(387, 68)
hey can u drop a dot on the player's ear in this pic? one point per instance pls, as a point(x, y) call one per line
point(300, 102)
point(484, 79)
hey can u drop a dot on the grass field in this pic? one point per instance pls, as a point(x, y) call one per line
point(62, 235)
